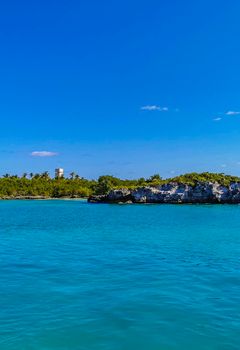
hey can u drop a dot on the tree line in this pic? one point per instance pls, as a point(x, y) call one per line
point(41, 184)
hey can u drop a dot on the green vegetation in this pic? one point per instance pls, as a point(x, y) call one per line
point(193, 178)
point(75, 186)
point(43, 185)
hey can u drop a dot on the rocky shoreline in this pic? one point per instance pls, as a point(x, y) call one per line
point(174, 193)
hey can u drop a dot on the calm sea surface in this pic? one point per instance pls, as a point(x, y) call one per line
point(82, 276)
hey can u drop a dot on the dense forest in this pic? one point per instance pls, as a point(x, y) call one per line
point(33, 185)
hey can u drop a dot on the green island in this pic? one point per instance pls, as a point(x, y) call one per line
point(43, 186)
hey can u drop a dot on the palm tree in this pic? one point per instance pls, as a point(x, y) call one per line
point(72, 175)
point(24, 175)
point(45, 175)
point(6, 175)
point(31, 175)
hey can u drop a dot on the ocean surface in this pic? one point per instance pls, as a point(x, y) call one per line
point(83, 276)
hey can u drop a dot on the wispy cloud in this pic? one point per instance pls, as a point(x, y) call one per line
point(232, 113)
point(217, 119)
point(223, 165)
point(154, 108)
point(43, 154)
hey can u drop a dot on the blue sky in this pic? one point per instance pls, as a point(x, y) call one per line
point(128, 88)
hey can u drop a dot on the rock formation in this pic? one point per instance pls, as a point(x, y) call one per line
point(172, 192)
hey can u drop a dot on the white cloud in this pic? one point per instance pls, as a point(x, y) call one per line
point(217, 119)
point(223, 165)
point(232, 113)
point(154, 108)
point(43, 154)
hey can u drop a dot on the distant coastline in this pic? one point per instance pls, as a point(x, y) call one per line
point(188, 188)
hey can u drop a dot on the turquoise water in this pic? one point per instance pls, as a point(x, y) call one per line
point(80, 276)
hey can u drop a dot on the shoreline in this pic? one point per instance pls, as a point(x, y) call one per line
point(40, 198)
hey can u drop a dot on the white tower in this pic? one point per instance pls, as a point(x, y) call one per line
point(59, 172)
